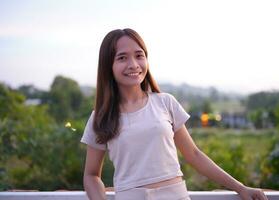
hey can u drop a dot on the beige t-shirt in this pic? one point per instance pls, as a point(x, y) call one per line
point(144, 152)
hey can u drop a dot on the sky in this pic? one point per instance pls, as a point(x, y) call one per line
point(230, 45)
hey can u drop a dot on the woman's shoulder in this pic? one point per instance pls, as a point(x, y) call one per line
point(162, 95)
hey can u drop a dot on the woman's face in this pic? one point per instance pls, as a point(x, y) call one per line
point(130, 63)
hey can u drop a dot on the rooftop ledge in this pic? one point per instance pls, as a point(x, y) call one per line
point(81, 195)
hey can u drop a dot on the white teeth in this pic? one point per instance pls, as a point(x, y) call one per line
point(133, 74)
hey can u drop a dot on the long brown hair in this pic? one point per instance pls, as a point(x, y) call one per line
point(106, 114)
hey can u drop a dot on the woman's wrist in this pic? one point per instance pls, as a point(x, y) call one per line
point(240, 187)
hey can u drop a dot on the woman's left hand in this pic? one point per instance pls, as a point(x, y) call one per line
point(248, 193)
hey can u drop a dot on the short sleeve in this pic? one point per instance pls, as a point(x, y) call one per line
point(178, 115)
point(89, 136)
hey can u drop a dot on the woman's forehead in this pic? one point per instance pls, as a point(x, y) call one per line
point(127, 44)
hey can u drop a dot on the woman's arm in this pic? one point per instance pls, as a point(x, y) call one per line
point(92, 182)
point(204, 165)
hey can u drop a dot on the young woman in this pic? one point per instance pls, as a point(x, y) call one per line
point(141, 129)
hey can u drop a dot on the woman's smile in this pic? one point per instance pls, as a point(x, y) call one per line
point(133, 74)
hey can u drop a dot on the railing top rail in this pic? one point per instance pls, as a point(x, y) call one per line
point(111, 192)
point(81, 195)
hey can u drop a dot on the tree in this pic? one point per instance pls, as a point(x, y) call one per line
point(261, 108)
point(206, 106)
point(65, 98)
point(264, 100)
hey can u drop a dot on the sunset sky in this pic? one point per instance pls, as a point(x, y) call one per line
point(231, 45)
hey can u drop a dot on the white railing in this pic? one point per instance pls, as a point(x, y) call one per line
point(81, 195)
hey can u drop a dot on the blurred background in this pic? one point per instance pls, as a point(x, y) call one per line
point(218, 58)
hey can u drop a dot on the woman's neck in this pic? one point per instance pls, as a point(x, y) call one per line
point(132, 99)
point(131, 95)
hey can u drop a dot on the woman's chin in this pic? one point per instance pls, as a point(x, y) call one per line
point(133, 83)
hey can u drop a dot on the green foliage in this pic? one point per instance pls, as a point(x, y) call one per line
point(55, 163)
point(276, 115)
point(65, 98)
point(62, 158)
point(237, 152)
point(257, 117)
point(21, 129)
point(206, 107)
point(270, 166)
point(20, 125)
point(36, 153)
point(262, 108)
point(107, 172)
point(86, 108)
point(10, 102)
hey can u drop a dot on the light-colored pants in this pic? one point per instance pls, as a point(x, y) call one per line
point(176, 191)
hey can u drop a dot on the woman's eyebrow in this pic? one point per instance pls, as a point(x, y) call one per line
point(124, 53)
point(139, 51)
point(121, 54)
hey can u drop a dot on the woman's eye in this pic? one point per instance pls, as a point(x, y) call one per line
point(121, 58)
point(140, 55)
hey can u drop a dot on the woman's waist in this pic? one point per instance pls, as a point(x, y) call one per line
point(163, 183)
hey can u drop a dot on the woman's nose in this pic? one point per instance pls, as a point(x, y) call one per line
point(133, 63)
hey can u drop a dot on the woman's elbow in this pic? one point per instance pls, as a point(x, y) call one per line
point(193, 156)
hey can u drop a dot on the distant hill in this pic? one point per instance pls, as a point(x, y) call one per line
point(186, 91)
point(193, 96)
